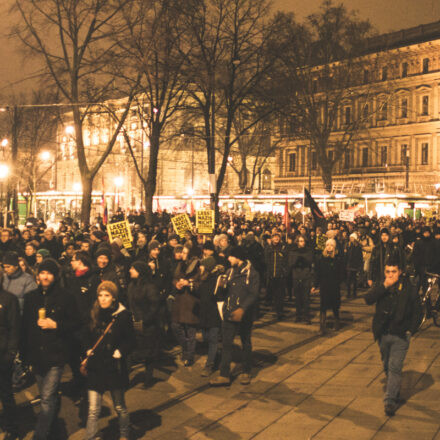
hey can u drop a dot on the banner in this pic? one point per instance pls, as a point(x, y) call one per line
point(120, 230)
point(318, 216)
point(181, 224)
point(346, 216)
point(205, 221)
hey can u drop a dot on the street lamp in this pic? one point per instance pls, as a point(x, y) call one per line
point(45, 156)
point(5, 142)
point(118, 181)
point(4, 172)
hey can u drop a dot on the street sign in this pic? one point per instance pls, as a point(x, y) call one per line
point(120, 230)
point(205, 221)
point(181, 224)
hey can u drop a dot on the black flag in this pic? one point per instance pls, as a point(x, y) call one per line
point(318, 216)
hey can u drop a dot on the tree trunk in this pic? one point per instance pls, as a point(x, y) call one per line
point(150, 182)
point(86, 202)
point(327, 176)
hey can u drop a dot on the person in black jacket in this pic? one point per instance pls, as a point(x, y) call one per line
point(49, 318)
point(241, 287)
point(354, 262)
point(9, 337)
point(210, 321)
point(397, 317)
point(275, 256)
point(301, 269)
point(107, 364)
point(144, 300)
point(424, 257)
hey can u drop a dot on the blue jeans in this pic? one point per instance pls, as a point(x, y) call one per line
point(210, 335)
point(393, 350)
point(48, 388)
point(95, 402)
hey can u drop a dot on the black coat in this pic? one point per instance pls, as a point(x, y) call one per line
point(328, 277)
point(424, 255)
point(276, 260)
point(398, 308)
point(354, 259)
point(9, 327)
point(83, 289)
point(104, 371)
point(144, 301)
point(48, 348)
point(209, 315)
point(301, 264)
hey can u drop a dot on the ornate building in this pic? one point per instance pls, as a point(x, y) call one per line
point(398, 148)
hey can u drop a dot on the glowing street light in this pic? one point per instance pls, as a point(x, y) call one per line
point(45, 156)
point(77, 187)
point(5, 142)
point(118, 181)
point(70, 129)
point(4, 171)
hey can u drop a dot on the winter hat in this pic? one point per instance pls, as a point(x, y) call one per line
point(354, 235)
point(385, 231)
point(108, 286)
point(99, 235)
point(209, 263)
point(141, 268)
point(153, 244)
point(10, 258)
point(208, 245)
point(44, 253)
point(173, 237)
point(103, 250)
point(238, 252)
point(49, 265)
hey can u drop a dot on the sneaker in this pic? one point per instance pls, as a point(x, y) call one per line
point(219, 381)
point(390, 409)
point(245, 378)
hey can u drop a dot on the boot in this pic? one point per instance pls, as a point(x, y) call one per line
point(322, 323)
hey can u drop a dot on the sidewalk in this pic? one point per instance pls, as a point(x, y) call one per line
point(305, 387)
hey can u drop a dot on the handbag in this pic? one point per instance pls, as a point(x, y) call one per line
point(83, 366)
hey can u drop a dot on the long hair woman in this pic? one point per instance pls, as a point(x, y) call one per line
point(107, 364)
point(328, 276)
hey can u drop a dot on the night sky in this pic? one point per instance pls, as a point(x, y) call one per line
point(385, 15)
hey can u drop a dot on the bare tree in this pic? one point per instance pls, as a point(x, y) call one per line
point(323, 83)
point(152, 46)
point(76, 41)
point(226, 64)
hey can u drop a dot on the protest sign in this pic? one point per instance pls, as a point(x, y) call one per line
point(120, 230)
point(181, 224)
point(346, 216)
point(205, 221)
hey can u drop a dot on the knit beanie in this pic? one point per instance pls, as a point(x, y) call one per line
point(103, 250)
point(153, 244)
point(44, 253)
point(108, 286)
point(49, 265)
point(11, 258)
point(238, 252)
point(141, 268)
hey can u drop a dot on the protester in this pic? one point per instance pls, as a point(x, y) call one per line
point(396, 320)
point(107, 361)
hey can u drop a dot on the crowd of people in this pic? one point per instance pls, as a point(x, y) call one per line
point(73, 297)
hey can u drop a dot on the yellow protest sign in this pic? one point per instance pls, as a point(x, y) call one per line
point(205, 221)
point(181, 224)
point(120, 230)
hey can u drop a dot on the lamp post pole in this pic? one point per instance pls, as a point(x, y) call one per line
point(407, 170)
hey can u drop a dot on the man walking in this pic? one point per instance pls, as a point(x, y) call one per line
point(397, 317)
point(242, 286)
point(49, 317)
point(9, 336)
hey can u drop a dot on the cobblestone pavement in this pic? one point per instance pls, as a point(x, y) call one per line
point(303, 387)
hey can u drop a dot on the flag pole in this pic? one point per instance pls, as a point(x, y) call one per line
point(304, 205)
